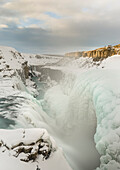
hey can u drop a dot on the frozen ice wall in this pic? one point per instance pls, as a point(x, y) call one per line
point(102, 93)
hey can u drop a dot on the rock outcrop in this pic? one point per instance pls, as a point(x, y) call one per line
point(97, 54)
point(30, 149)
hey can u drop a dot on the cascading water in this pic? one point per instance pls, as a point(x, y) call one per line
point(63, 112)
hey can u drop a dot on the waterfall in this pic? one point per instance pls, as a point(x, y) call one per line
point(68, 114)
point(81, 112)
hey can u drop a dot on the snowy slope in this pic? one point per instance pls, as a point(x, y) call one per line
point(112, 62)
point(9, 56)
point(41, 60)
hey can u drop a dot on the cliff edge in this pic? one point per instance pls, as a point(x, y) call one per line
point(97, 54)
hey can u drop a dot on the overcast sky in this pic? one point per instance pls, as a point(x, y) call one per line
point(59, 26)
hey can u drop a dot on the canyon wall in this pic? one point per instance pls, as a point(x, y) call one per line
point(97, 54)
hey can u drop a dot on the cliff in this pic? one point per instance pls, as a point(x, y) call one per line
point(97, 54)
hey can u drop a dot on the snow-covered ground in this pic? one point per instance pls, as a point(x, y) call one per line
point(81, 113)
point(41, 60)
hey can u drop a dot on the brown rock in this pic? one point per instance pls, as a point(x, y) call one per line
point(98, 54)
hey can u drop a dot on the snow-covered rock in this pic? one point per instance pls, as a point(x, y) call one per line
point(28, 149)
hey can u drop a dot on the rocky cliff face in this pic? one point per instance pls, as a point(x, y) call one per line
point(97, 54)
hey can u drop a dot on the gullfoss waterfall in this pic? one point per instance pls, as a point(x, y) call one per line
point(80, 112)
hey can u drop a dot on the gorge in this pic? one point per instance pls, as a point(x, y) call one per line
point(59, 110)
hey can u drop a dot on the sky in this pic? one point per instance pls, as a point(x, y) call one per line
point(59, 26)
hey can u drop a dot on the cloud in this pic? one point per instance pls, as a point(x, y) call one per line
point(64, 25)
point(38, 40)
point(3, 26)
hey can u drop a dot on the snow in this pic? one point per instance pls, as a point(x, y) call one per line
point(10, 57)
point(14, 137)
point(112, 62)
point(40, 60)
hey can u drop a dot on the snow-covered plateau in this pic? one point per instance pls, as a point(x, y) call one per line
point(59, 113)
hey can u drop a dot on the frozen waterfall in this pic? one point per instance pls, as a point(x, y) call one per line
point(76, 110)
